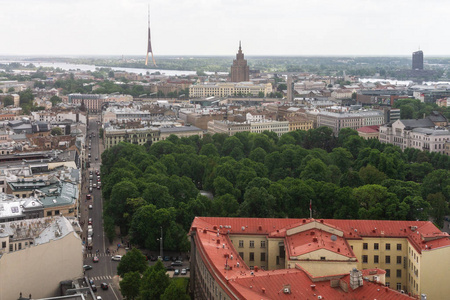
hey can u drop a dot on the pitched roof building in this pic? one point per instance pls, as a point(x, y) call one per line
point(255, 258)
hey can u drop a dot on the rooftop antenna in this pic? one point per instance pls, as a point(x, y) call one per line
point(149, 45)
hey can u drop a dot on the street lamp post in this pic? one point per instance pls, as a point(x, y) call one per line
point(161, 244)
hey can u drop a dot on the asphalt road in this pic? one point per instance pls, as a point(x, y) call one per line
point(105, 269)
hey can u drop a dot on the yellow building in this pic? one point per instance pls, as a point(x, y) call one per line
point(299, 123)
point(411, 257)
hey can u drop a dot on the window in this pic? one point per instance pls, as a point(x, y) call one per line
point(388, 273)
point(3, 244)
point(364, 259)
point(252, 244)
point(388, 284)
point(56, 212)
point(263, 256)
point(375, 246)
point(399, 286)
point(399, 260)
point(263, 244)
point(388, 246)
point(399, 273)
point(322, 258)
point(241, 254)
point(49, 214)
point(388, 259)
point(241, 243)
point(252, 256)
point(11, 247)
point(20, 246)
point(399, 247)
point(375, 259)
point(365, 246)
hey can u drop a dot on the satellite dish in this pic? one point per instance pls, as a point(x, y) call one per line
point(334, 238)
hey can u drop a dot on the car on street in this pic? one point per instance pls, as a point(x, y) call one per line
point(94, 288)
point(166, 258)
point(88, 197)
point(96, 158)
point(90, 189)
point(98, 187)
point(176, 272)
point(170, 268)
point(90, 221)
point(90, 206)
point(87, 267)
point(116, 257)
point(177, 263)
point(104, 286)
point(91, 281)
point(99, 298)
point(183, 272)
point(94, 185)
point(95, 259)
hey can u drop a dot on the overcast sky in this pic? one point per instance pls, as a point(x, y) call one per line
point(214, 27)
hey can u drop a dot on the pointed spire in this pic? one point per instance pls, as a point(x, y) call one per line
point(239, 45)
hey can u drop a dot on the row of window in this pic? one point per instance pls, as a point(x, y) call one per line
point(252, 244)
point(377, 245)
point(251, 256)
point(399, 285)
point(376, 259)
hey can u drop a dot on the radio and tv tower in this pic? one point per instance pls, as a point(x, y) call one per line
point(149, 46)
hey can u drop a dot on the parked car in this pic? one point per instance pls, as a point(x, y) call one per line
point(99, 298)
point(90, 221)
point(153, 258)
point(166, 258)
point(98, 187)
point(116, 257)
point(170, 268)
point(95, 259)
point(91, 281)
point(88, 197)
point(87, 267)
point(94, 288)
point(104, 286)
point(90, 206)
point(94, 185)
point(177, 272)
point(90, 189)
point(177, 263)
point(183, 272)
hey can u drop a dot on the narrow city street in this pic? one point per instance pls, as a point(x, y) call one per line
point(103, 271)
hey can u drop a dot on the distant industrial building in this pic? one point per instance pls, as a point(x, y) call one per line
point(239, 69)
point(417, 60)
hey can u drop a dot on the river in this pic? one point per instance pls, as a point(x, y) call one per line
point(81, 67)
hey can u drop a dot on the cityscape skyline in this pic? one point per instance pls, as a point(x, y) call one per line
point(119, 27)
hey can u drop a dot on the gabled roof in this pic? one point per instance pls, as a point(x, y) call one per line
point(414, 123)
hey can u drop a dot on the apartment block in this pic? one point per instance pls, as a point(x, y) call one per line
point(246, 258)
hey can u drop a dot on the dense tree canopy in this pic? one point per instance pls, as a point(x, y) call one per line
point(261, 175)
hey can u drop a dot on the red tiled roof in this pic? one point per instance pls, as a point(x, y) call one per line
point(352, 229)
point(369, 129)
point(270, 285)
point(314, 239)
point(235, 277)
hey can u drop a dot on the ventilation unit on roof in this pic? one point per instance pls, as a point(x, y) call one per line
point(243, 228)
point(287, 289)
point(413, 228)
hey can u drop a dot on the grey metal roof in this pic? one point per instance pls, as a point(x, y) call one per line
point(415, 123)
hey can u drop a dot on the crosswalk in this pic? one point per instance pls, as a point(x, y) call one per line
point(99, 254)
point(100, 278)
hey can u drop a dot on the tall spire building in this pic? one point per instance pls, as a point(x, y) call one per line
point(239, 70)
point(417, 60)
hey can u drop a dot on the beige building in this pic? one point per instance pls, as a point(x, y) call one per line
point(354, 120)
point(369, 132)
point(142, 136)
point(418, 134)
point(229, 89)
point(408, 256)
point(299, 123)
point(231, 128)
point(37, 254)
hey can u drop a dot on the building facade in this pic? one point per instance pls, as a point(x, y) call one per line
point(229, 89)
point(245, 258)
point(417, 60)
point(418, 134)
point(231, 128)
point(239, 70)
point(354, 120)
point(37, 249)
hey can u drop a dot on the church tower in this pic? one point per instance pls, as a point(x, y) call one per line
point(239, 69)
